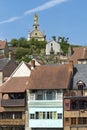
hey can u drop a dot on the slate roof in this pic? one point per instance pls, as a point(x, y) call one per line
point(15, 84)
point(3, 63)
point(80, 73)
point(50, 77)
point(7, 66)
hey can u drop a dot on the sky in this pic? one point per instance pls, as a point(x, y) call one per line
point(65, 18)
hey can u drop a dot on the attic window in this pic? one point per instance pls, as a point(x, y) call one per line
point(80, 85)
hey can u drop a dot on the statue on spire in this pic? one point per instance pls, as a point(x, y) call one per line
point(36, 19)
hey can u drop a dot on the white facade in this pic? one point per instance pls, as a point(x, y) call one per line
point(45, 109)
point(21, 71)
point(53, 46)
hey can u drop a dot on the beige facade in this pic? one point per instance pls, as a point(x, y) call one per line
point(36, 33)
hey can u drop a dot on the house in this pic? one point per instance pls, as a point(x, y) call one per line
point(75, 100)
point(36, 33)
point(13, 114)
point(7, 66)
point(3, 49)
point(13, 98)
point(78, 55)
point(45, 96)
point(22, 70)
point(52, 47)
point(13, 103)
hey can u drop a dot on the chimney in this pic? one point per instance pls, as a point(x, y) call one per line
point(71, 66)
point(1, 78)
point(10, 55)
point(32, 64)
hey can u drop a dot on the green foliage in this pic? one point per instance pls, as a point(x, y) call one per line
point(64, 47)
point(23, 42)
point(24, 48)
point(20, 52)
point(14, 42)
point(64, 44)
point(37, 44)
point(25, 58)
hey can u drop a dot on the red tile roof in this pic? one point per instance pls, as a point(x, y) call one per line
point(78, 53)
point(15, 84)
point(50, 77)
point(2, 44)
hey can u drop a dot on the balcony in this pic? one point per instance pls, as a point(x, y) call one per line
point(12, 122)
point(13, 102)
point(46, 103)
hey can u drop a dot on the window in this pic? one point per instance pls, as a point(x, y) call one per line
point(40, 115)
point(74, 105)
point(45, 115)
point(37, 115)
point(67, 104)
point(11, 115)
point(39, 95)
point(80, 85)
point(49, 115)
point(73, 121)
point(49, 95)
point(54, 115)
point(35, 33)
point(51, 44)
point(82, 120)
point(32, 96)
point(59, 115)
point(66, 119)
point(31, 116)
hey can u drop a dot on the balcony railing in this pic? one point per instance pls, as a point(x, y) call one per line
point(12, 122)
point(12, 102)
point(46, 103)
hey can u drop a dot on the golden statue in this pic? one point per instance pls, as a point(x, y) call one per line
point(35, 19)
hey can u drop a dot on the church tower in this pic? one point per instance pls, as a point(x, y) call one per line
point(36, 33)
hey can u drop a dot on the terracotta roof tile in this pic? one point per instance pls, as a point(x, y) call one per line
point(50, 77)
point(15, 84)
point(2, 44)
point(78, 53)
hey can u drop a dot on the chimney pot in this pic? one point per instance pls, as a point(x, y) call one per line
point(32, 64)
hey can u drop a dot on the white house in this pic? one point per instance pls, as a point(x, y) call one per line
point(53, 47)
point(45, 97)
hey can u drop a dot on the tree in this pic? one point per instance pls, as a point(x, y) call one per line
point(64, 44)
point(14, 42)
point(23, 42)
point(20, 52)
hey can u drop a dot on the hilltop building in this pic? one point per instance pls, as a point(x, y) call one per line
point(36, 33)
point(3, 49)
point(52, 47)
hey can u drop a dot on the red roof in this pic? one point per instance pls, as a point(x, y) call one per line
point(15, 84)
point(2, 44)
point(78, 53)
point(50, 77)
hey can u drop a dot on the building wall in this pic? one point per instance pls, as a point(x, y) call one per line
point(54, 45)
point(50, 112)
point(36, 34)
point(46, 123)
point(22, 71)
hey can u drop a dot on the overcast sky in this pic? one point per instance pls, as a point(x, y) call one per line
point(66, 18)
